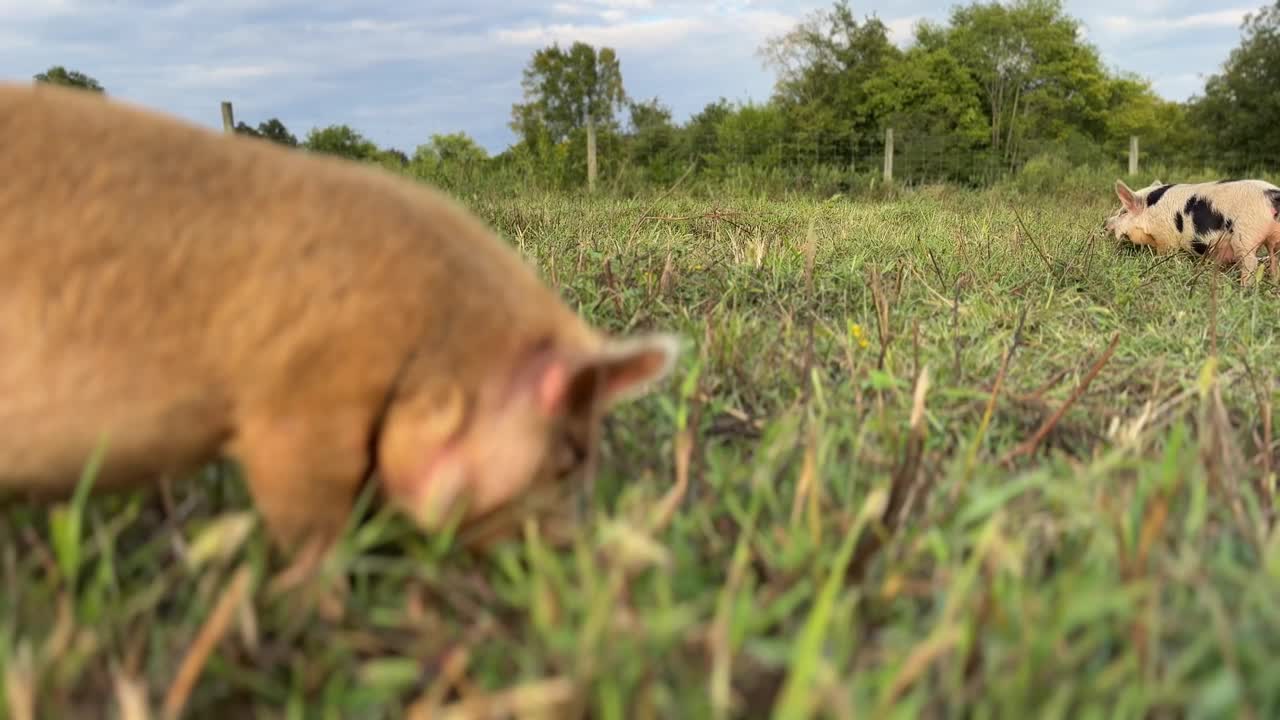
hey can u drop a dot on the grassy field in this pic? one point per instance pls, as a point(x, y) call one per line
point(936, 454)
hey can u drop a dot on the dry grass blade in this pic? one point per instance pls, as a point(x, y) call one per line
point(806, 495)
point(658, 200)
point(797, 697)
point(1153, 522)
point(957, 370)
point(919, 661)
point(611, 286)
point(902, 485)
point(1029, 445)
point(668, 271)
point(810, 256)
point(219, 540)
point(1264, 485)
point(1031, 239)
point(213, 630)
point(685, 444)
point(308, 560)
point(131, 697)
point(670, 502)
point(972, 458)
point(720, 215)
point(20, 684)
point(906, 476)
point(1222, 459)
point(806, 366)
point(64, 629)
point(541, 699)
point(1213, 315)
point(882, 315)
point(452, 671)
point(718, 636)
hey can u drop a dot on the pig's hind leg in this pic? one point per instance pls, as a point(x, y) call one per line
point(1273, 251)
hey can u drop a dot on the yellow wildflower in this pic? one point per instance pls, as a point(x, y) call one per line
point(855, 332)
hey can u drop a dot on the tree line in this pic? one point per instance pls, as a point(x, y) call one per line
point(995, 88)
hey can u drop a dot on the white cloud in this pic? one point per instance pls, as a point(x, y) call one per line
point(27, 10)
point(1131, 25)
point(624, 4)
point(620, 36)
point(902, 30)
point(13, 41)
point(227, 77)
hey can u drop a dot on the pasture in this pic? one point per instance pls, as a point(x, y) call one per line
point(927, 453)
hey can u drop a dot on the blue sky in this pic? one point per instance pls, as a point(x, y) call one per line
point(400, 71)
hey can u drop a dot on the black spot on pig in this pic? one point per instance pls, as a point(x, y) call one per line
point(1154, 196)
point(1231, 226)
point(1199, 246)
point(1204, 218)
point(1274, 197)
point(1177, 222)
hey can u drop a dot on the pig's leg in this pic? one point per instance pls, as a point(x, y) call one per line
point(304, 472)
point(1273, 251)
point(1246, 250)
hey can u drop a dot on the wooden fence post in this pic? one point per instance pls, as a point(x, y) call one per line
point(888, 155)
point(853, 153)
point(228, 117)
point(1133, 155)
point(591, 154)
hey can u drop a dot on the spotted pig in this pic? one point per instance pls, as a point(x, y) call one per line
point(1227, 220)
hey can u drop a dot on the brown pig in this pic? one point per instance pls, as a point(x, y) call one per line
point(182, 296)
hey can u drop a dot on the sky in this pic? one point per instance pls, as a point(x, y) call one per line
point(400, 71)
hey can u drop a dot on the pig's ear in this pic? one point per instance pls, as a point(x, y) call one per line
point(1128, 198)
point(621, 369)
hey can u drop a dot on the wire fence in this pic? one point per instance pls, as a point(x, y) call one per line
point(833, 162)
point(923, 158)
point(825, 160)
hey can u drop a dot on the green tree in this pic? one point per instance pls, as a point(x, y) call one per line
point(652, 141)
point(931, 92)
point(272, 130)
point(649, 114)
point(1037, 78)
point(751, 135)
point(1240, 104)
point(59, 75)
point(931, 99)
point(343, 141)
point(700, 137)
point(391, 158)
point(448, 159)
point(569, 90)
point(824, 64)
point(452, 149)
point(1134, 108)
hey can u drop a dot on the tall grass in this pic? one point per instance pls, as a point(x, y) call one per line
point(900, 471)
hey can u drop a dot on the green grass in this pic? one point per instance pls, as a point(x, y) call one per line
point(830, 558)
